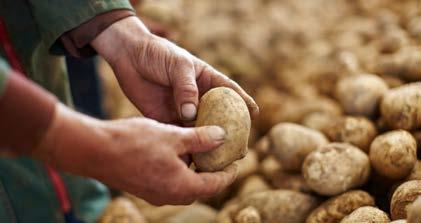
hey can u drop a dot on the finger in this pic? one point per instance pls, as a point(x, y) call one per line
point(210, 184)
point(217, 79)
point(186, 94)
point(201, 139)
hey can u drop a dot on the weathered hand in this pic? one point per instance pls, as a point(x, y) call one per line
point(163, 80)
point(139, 155)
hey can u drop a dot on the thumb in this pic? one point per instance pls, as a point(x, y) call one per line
point(202, 139)
point(186, 94)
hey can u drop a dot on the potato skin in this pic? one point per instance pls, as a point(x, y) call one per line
point(335, 168)
point(367, 214)
point(394, 154)
point(357, 131)
point(360, 94)
point(336, 208)
point(223, 107)
point(281, 205)
point(248, 215)
point(401, 107)
point(291, 143)
point(416, 172)
point(414, 212)
point(403, 196)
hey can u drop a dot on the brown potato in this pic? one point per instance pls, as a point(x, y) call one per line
point(336, 208)
point(414, 211)
point(320, 121)
point(335, 168)
point(361, 94)
point(252, 184)
point(288, 181)
point(401, 107)
point(247, 165)
point(416, 172)
point(248, 215)
point(121, 210)
point(403, 197)
point(394, 154)
point(291, 143)
point(223, 107)
point(357, 131)
point(281, 205)
point(367, 215)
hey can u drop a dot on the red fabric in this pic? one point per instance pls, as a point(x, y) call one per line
point(60, 190)
point(8, 48)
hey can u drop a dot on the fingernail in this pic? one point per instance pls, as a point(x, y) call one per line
point(188, 111)
point(216, 133)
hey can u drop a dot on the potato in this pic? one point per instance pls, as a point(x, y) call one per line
point(336, 208)
point(416, 172)
point(197, 213)
point(414, 212)
point(247, 165)
point(281, 205)
point(335, 168)
point(357, 131)
point(121, 210)
point(361, 94)
point(403, 196)
point(367, 215)
point(262, 147)
point(291, 143)
point(320, 121)
point(252, 184)
point(401, 107)
point(288, 181)
point(223, 107)
point(269, 166)
point(248, 215)
point(393, 154)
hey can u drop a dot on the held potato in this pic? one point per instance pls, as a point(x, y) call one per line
point(281, 205)
point(414, 212)
point(335, 168)
point(394, 154)
point(357, 131)
point(401, 107)
point(361, 94)
point(367, 215)
point(336, 208)
point(403, 197)
point(223, 107)
point(291, 143)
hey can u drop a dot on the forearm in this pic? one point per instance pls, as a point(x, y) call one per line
point(26, 112)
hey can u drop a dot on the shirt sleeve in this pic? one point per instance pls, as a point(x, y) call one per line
point(4, 70)
point(55, 17)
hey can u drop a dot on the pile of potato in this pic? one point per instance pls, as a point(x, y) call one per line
point(339, 88)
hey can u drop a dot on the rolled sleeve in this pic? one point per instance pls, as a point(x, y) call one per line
point(54, 18)
point(4, 70)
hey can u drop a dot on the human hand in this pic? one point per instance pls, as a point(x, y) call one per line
point(138, 155)
point(163, 80)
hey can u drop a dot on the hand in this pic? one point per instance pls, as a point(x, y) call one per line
point(163, 80)
point(138, 155)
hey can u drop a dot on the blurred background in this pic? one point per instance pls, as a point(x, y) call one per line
point(289, 55)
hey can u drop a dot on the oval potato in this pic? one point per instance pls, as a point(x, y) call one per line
point(225, 108)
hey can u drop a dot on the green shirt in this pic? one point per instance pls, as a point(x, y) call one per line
point(34, 26)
